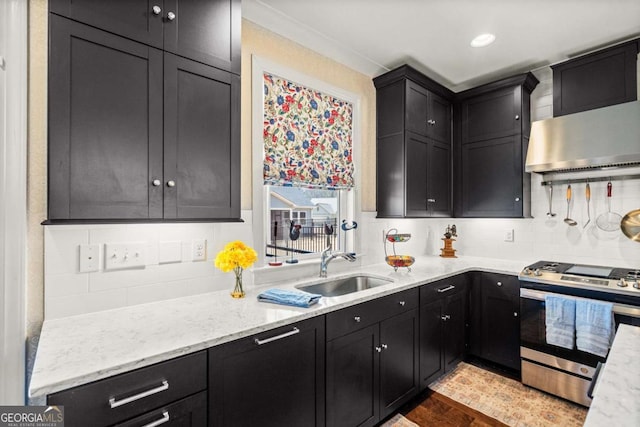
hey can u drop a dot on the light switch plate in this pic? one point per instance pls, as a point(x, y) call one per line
point(89, 258)
point(119, 256)
point(508, 235)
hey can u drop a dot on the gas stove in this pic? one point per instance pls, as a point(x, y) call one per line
point(623, 281)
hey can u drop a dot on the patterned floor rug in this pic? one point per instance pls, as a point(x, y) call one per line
point(507, 400)
point(399, 421)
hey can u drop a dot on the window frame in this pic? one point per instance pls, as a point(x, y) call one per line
point(349, 199)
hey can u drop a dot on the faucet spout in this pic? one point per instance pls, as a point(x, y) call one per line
point(328, 256)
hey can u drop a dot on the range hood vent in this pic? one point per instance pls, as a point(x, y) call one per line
point(596, 139)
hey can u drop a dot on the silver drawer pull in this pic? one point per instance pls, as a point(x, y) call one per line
point(164, 419)
point(448, 288)
point(431, 200)
point(499, 283)
point(113, 403)
point(402, 303)
point(278, 337)
point(357, 319)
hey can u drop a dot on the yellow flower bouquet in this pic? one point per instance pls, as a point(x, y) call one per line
point(236, 256)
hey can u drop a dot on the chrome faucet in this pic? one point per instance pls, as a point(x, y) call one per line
point(328, 256)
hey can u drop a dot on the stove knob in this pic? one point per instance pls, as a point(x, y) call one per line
point(622, 283)
point(636, 285)
point(537, 272)
point(526, 271)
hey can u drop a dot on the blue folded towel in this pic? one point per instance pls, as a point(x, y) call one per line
point(295, 298)
point(595, 327)
point(560, 315)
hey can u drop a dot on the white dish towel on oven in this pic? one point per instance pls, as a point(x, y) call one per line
point(560, 317)
point(595, 326)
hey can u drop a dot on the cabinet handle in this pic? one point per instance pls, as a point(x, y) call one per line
point(384, 346)
point(156, 182)
point(447, 289)
point(433, 122)
point(277, 337)
point(378, 349)
point(357, 319)
point(515, 314)
point(431, 200)
point(113, 403)
point(164, 419)
point(171, 183)
point(171, 16)
point(402, 303)
point(445, 317)
point(499, 283)
point(517, 117)
point(517, 199)
point(156, 10)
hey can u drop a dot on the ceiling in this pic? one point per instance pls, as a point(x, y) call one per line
point(375, 36)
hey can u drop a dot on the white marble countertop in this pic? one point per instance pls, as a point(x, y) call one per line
point(616, 400)
point(81, 349)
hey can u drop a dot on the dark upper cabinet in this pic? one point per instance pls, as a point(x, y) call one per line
point(207, 31)
point(413, 145)
point(136, 133)
point(603, 78)
point(443, 317)
point(105, 125)
point(494, 125)
point(275, 378)
point(495, 319)
point(201, 139)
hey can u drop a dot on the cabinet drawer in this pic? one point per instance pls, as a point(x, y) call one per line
point(441, 289)
point(124, 396)
point(359, 316)
point(191, 412)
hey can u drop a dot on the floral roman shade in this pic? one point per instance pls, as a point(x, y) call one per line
point(307, 136)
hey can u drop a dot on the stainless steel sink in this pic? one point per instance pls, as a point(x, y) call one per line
point(344, 285)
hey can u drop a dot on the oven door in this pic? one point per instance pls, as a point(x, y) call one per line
point(556, 370)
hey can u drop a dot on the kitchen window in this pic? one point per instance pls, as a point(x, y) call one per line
point(304, 174)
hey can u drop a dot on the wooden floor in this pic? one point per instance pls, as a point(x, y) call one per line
point(434, 409)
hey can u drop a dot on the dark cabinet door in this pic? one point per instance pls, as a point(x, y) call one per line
point(105, 125)
point(201, 141)
point(455, 328)
point(273, 379)
point(439, 179)
point(431, 343)
point(398, 361)
point(134, 19)
point(439, 124)
point(207, 31)
point(352, 379)
point(492, 182)
point(416, 158)
point(493, 115)
point(417, 107)
point(500, 319)
point(597, 80)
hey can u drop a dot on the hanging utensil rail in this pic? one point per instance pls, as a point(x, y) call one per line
point(593, 179)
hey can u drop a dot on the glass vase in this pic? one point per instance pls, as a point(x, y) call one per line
point(238, 291)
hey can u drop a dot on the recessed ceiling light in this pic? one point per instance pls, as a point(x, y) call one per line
point(483, 40)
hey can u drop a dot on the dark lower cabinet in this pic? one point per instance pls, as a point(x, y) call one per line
point(443, 316)
point(174, 391)
point(495, 318)
point(372, 369)
point(275, 378)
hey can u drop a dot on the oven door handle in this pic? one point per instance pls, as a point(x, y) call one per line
point(594, 380)
point(621, 309)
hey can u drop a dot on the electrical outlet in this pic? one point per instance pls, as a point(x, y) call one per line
point(124, 255)
point(199, 250)
point(508, 235)
point(89, 258)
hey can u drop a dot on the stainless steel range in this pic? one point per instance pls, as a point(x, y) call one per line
point(568, 373)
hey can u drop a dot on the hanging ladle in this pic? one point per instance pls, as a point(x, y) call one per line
point(568, 220)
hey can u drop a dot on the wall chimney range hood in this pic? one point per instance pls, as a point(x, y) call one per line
point(594, 139)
